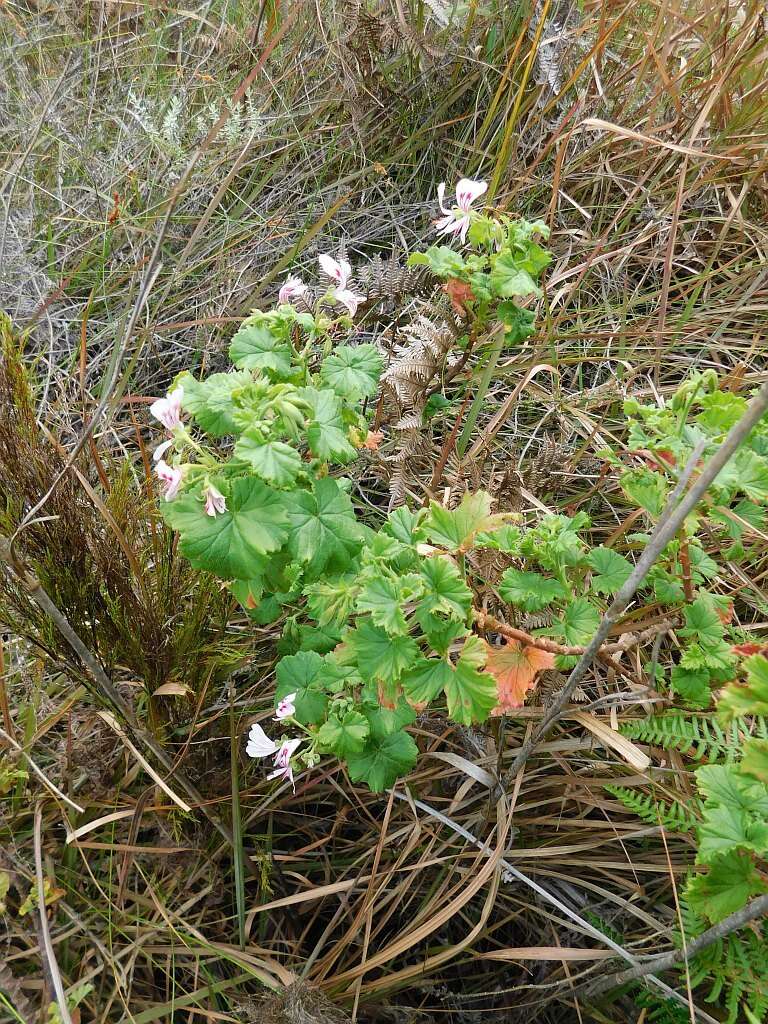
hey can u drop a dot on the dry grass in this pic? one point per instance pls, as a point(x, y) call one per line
point(639, 131)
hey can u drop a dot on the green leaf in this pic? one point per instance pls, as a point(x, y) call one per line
point(426, 680)
point(445, 592)
point(529, 591)
point(755, 759)
point(519, 324)
point(302, 674)
point(384, 599)
point(721, 411)
point(344, 736)
point(442, 261)
point(693, 687)
point(726, 785)
point(751, 698)
point(257, 347)
point(580, 621)
point(248, 593)
point(471, 693)
point(752, 473)
point(323, 531)
point(455, 529)
point(212, 401)
point(510, 278)
point(232, 544)
point(646, 489)
point(353, 373)
point(385, 757)
point(702, 622)
point(326, 438)
point(612, 570)
point(730, 882)
point(274, 461)
point(440, 633)
point(378, 655)
point(667, 589)
point(330, 601)
point(729, 828)
point(403, 525)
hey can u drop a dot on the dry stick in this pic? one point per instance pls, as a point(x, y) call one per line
point(45, 933)
point(672, 518)
point(757, 908)
point(105, 685)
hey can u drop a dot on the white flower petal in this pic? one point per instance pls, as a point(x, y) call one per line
point(441, 198)
point(468, 190)
point(161, 449)
point(259, 744)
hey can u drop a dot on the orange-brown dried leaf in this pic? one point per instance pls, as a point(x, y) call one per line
point(373, 440)
point(515, 667)
point(460, 293)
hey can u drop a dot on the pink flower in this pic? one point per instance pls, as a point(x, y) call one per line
point(457, 223)
point(170, 477)
point(215, 501)
point(339, 271)
point(260, 745)
point(285, 707)
point(283, 762)
point(168, 410)
point(292, 288)
point(348, 298)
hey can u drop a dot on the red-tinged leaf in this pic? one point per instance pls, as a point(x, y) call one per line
point(373, 440)
point(725, 614)
point(460, 293)
point(750, 648)
point(514, 667)
point(667, 456)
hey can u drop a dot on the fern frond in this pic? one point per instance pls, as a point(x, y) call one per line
point(696, 736)
point(674, 817)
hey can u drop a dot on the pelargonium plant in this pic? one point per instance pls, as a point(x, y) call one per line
point(380, 614)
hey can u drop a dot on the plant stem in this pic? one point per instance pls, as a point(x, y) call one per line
point(477, 403)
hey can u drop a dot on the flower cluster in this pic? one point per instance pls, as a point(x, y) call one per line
point(168, 412)
point(339, 271)
point(260, 745)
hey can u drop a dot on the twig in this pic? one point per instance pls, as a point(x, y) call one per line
point(512, 633)
point(757, 908)
point(673, 516)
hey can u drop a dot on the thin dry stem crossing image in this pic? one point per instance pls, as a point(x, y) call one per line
point(383, 512)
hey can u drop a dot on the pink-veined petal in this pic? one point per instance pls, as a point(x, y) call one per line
point(349, 299)
point(291, 288)
point(170, 477)
point(215, 502)
point(468, 190)
point(168, 410)
point(338, 270)
point(285, 707)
